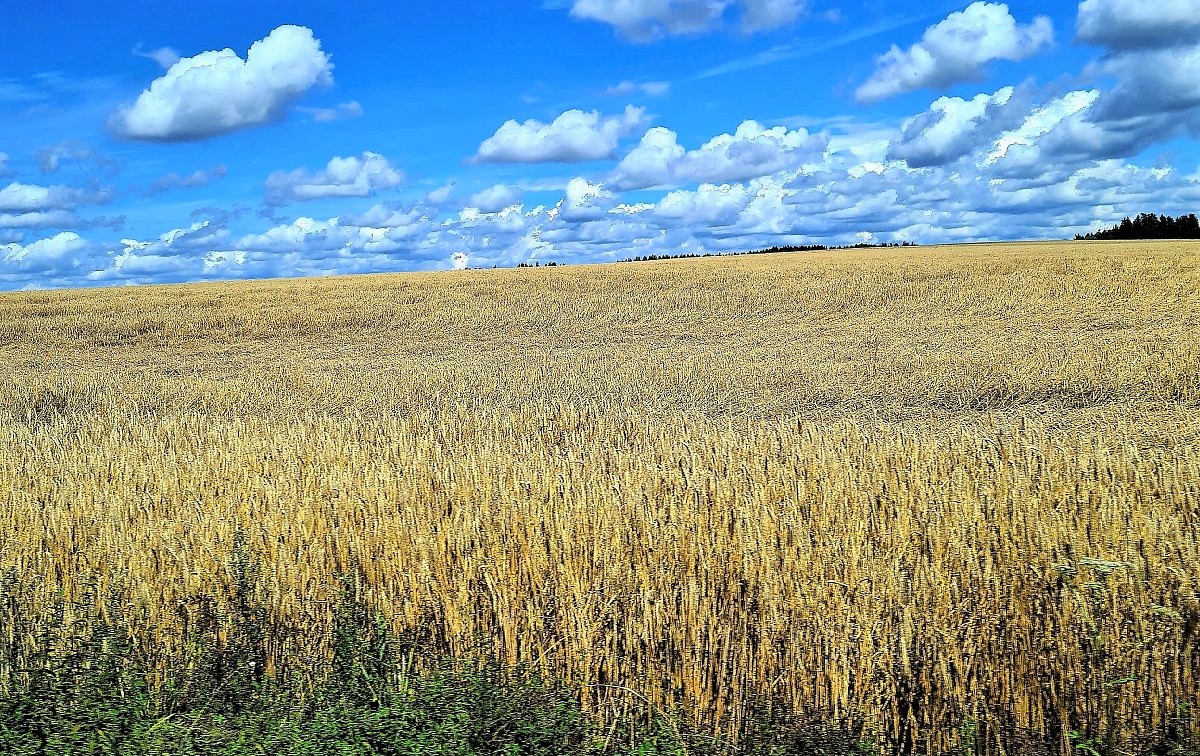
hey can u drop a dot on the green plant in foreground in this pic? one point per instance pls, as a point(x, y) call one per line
point(80, 687)
point(1085, 745)
point(968, 731)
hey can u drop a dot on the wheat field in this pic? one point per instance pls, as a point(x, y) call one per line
point(907, 488)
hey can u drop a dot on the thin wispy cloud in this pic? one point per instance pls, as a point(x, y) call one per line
point(165, 57)
point(807, 47)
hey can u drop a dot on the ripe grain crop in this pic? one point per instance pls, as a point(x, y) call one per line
point(909, 489)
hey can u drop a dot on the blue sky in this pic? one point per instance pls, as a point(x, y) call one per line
point(163, 142)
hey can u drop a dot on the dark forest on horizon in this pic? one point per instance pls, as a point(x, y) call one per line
point(1149, 226)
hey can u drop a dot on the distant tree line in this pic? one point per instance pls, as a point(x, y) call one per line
point(768, 251)
point(1150, 226)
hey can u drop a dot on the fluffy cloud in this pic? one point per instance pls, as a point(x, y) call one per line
point(17, 197)
point(583, 201)
point(181, 254)
point(1135, 24)
point(303, 234)
point(652, 162)
point(343, 177)
point(198, 252)
point(495, 198)
point(217, 92)
point(381, 239)
point(200, 237)
point(955, 50)
point(193, 180)
point(441, 195)
point(707, 207)
point(954, 127)
point(1034, 175)
point(1038, 123)
point(659, 160)
point(645, 20)
point(825, 203)
point(573, 137)
point(55, 253)
point(1153, 60)
point(1155, 98)
point(319, 239)
point(388, 216)
point(580, 192)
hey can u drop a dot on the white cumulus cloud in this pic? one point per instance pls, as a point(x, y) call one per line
point(495, 198)
point(955, 50)
point(217, 92)
point(575, 136)
point(317, 239)
point(708, 206)
point(18, 197)
point(200, 237)
point(1041, 121)
point(303, 234)
point(441, 195)
point(1155, 98)
point(1153, 60)
point(751, 151)
point(583, 201)
point(954, 127)
point(54, 253)
point(342, 177)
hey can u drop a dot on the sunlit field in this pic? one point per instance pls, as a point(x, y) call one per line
point(946, 497)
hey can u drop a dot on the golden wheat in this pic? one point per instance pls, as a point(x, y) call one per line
point(903, 487)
